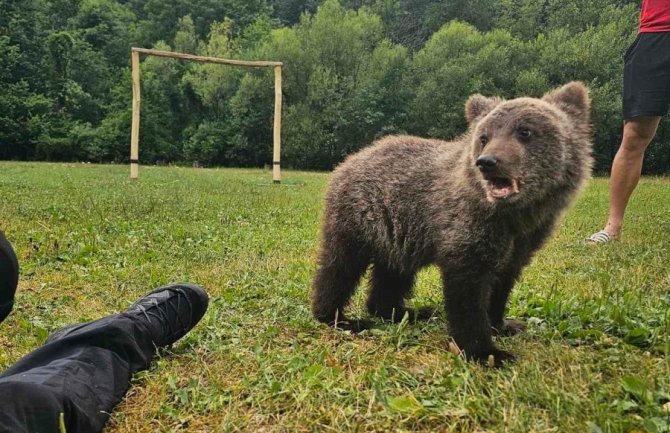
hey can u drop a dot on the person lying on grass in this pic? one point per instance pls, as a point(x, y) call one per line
point(73, 382)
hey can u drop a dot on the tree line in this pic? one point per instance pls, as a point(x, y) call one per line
point(354, 70)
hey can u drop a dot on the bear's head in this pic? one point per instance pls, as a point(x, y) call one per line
point(527, 149)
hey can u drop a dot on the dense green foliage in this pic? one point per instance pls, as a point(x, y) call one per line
point(595, 359)
point(354, 70)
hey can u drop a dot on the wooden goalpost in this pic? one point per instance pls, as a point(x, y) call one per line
point(135, 130)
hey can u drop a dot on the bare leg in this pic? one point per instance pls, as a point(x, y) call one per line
point(627, 167)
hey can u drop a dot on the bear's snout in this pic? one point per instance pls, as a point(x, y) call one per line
point(500, 182)
point(486, 162)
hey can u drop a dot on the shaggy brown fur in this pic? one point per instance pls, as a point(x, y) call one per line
point(477, 207)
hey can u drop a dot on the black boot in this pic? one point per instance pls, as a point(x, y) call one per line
point(168, 312)
point(171, 310)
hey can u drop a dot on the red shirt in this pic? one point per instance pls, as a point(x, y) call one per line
point(655, 16)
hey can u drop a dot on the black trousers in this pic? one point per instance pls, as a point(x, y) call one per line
point(78, 378)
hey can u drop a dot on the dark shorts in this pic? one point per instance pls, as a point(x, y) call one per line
point(646, 76)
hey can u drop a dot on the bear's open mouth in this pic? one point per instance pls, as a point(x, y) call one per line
point(501, 187)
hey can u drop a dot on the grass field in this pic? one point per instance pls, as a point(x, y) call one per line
point(595, 358)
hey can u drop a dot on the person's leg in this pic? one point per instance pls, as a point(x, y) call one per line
point(84, 371)
point(30, 407)
point(627, 168)
point(646, 97)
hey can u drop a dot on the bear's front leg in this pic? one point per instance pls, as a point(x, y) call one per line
point(497, 305)
point(466, 303)
point(523, 248)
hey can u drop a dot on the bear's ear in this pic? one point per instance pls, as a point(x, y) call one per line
point(479, 106)
point(573, 98)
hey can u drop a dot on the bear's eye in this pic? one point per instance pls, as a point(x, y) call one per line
point(483, 140)
point(524, 133)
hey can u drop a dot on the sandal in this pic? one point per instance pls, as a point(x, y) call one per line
point(602, 237)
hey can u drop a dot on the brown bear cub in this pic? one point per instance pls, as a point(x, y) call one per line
point(478, 207)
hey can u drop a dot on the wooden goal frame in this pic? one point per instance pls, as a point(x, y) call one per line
point(135, 129)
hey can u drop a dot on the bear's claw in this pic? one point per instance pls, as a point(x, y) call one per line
point(354, 326)
point(509, 327)
point(495, 358)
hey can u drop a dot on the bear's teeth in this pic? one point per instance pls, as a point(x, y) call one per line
point(501, 192)
point(503, 188)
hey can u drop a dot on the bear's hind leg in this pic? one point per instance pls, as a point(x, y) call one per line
point(387, 294)
point(341, 265)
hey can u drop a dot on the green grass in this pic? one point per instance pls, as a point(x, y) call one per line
point(91, 241)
